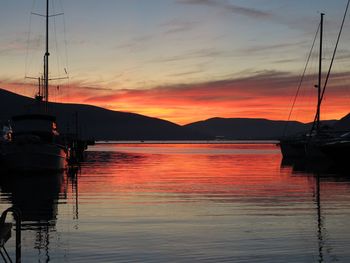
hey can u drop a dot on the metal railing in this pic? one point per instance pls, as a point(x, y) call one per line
point(6, 228)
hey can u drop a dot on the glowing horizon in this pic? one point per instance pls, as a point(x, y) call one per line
point(179, 60)
point(183, 104)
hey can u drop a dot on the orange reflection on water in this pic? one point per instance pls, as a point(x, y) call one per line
point(216, 171)
point(186, 203)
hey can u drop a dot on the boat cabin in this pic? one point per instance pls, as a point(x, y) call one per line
point(41, 126)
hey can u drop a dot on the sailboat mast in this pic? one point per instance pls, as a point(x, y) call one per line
point(47, 54)
point(319, 85)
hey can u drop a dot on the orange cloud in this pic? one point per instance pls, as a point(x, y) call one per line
point(264, 95)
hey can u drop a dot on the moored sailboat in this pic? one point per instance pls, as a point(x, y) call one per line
point(35, 143)
point(307, 145)
point(319, 143)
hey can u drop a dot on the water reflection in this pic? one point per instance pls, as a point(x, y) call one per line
point(322, 173)
point(37, 197)
point(316, 167)
point(186, 203)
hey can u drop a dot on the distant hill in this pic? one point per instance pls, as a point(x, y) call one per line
point(102, 124)
point(250, 129)
point(99, 123)
point(343, 124)
point(245, 129)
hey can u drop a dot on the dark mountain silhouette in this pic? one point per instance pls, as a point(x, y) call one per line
point(99, 123)
point(250, 129)
point(343, 124)
point(102, 124)
point(245, 129)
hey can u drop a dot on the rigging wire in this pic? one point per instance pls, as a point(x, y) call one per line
point(330, 67)
point(334, 52)
point(65, 38)
point(56, 42)
point(56, 47)
point(66, 69)
point(28, 40)
point(301, 80)
point(55, 37)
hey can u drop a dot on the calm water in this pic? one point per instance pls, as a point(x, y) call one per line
point(182, 203)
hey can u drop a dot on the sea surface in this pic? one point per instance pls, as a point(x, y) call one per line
point(166, 202)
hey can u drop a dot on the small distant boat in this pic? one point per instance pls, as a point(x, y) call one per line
point(319, 143)
point(34, 143)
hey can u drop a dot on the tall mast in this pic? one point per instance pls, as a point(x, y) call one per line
point(319, 87)
point(47, 54)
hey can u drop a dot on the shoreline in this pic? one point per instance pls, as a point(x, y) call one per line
point(191, 142)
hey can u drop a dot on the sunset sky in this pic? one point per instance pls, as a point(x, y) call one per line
point(179, 60)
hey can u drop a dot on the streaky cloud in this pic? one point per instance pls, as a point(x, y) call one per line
point(271, 47)
point(194, 54)
point(19, 44)
point(175, 26)
point(250, 12)
point(186, 73)
point(97, 88)
point(135, 43)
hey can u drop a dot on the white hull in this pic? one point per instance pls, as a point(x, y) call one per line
point(33, 156)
